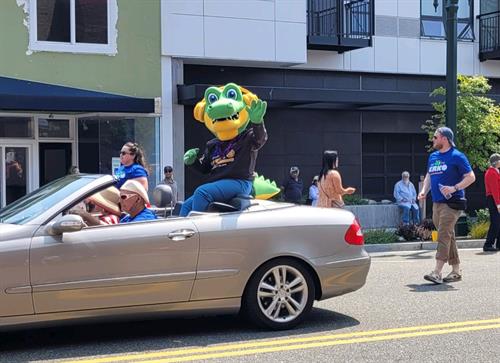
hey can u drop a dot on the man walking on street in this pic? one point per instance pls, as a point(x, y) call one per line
point(448, 174)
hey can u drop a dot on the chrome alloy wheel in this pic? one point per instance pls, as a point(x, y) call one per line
point(282, 294)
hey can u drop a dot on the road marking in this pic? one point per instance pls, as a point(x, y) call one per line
point(396, 261)
point(270, 346)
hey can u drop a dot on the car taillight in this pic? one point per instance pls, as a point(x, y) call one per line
point(354, 235)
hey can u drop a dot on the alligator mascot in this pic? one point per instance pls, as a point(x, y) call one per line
point(229, 159)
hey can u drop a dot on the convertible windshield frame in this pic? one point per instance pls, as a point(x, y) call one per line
point(42, 204)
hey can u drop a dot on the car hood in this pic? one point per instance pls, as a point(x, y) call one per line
point(15, 231)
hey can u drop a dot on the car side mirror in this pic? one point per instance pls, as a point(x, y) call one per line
point(67, 223)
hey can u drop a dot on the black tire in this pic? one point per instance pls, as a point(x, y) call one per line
point(253, 306)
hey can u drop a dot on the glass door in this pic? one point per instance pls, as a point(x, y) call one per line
point(14, 172)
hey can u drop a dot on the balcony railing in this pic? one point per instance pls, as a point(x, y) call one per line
point(340, 25)
point(489, 36)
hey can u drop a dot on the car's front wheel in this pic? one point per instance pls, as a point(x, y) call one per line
point(279, 294)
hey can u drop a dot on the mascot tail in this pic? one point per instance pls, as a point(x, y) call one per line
point(264, 188)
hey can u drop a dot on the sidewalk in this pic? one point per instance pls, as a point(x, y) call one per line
point(415, 246)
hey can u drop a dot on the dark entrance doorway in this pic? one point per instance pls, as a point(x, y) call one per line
point(55, 161)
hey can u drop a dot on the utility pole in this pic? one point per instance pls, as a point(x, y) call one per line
point(451, 62)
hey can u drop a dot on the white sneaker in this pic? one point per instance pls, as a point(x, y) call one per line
point(434, 277)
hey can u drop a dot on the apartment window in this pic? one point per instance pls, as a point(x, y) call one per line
point(432, 20)
point(78, 26)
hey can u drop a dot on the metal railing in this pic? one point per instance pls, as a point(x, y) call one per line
point(340, 18)
point(489, 32)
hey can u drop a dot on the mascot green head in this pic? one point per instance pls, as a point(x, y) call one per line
point(226, 110)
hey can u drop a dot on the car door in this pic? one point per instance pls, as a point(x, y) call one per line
point(15, 288)
point(120, 265)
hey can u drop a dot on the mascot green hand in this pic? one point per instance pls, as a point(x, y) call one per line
point(257, 111)
point(190, 156)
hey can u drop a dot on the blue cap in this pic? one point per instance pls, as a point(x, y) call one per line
point(446, 132)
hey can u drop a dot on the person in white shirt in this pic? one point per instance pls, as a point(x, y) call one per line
point(406, 198)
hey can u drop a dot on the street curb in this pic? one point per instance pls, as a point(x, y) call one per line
point(417, 246)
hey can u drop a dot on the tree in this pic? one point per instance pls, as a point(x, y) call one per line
point(478, 120)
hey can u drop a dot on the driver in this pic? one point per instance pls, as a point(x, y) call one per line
point(101, 208)
point(133, 201)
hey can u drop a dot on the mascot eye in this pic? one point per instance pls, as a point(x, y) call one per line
point(232, 94)
point(212, 97)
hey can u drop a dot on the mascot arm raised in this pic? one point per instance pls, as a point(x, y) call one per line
point(256, 111)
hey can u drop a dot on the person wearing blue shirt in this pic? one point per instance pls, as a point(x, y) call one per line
point(406, 197)
point(448, 174)
point(133, 201)
point(313, 191)
point(133, 165)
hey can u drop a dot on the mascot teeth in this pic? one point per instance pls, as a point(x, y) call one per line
point(233, 117)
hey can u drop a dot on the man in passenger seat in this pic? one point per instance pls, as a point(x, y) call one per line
point(133, 200)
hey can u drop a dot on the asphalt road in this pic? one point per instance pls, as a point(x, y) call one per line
point(397, 316)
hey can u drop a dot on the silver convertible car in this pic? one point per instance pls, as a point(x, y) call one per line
point(268, 260)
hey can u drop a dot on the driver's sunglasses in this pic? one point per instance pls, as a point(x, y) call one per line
point(126, 196)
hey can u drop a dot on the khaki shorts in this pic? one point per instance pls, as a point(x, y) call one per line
point(444, 219)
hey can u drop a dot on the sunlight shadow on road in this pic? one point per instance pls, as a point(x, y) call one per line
point(420, 255)
point(430, 287)
point(489, 253)
point(122, 338)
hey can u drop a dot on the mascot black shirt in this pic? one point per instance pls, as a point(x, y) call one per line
point(233, 159)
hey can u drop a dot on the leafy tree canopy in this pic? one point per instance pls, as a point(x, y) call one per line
point(478, 120)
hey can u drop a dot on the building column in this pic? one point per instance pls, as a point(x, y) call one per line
point(172, 122)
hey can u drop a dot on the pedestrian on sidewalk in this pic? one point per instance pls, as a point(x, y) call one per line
point(492, 184)
point(448, 174)
point(292, 187)
point(330, 182)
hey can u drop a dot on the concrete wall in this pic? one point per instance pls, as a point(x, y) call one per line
point(134, 70)
point(249, 30)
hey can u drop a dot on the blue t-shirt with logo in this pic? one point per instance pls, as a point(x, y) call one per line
point(145, 215)
point(124, 173)
point(447, 169)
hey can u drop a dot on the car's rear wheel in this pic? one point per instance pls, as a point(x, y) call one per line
point(279, 294)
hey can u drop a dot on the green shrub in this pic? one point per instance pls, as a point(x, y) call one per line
point(376, 236)
point(483, 215)
point(354, 199)
point(479, 230)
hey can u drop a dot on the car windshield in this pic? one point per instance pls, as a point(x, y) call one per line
point(33, 204)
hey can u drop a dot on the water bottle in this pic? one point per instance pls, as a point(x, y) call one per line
point(447, 196)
